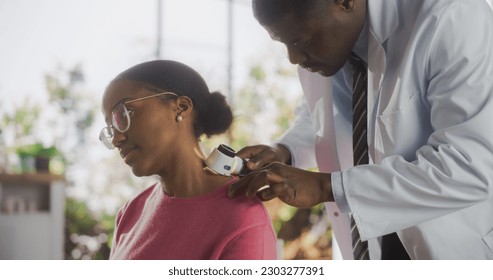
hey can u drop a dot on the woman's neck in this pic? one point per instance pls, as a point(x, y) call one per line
point(187, 177)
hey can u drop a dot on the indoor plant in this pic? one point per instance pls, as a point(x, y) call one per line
point(36, 157)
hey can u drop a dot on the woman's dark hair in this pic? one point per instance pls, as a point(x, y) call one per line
point(270, 11)
point(212, 113)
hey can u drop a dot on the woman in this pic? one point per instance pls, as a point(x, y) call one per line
point(156, 111)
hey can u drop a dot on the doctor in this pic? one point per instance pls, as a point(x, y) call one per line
point(429, 131)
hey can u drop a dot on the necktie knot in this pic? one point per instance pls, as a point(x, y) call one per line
point(357, 62)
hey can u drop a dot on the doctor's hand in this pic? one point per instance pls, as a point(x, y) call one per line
point(261, 155)
point(296, 187)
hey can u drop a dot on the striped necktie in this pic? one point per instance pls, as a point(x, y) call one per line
point(360, 145)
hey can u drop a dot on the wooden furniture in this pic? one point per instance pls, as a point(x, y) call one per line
point(31, 216)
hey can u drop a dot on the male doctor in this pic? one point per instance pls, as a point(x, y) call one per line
point(429, 178)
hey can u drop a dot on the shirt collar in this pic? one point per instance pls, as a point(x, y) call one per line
point(361, 46)
point(381, 21)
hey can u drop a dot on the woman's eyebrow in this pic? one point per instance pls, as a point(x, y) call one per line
point(121, 101)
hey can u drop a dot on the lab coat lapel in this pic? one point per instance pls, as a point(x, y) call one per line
point(318, 92)
point(380, 31)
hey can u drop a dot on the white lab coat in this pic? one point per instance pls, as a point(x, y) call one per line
point(430, 131)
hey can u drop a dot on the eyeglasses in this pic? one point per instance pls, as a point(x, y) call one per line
point(120, 120)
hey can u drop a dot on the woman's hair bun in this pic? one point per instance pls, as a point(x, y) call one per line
point(217, 116)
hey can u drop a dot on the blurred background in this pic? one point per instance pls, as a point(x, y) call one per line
point(59, 187)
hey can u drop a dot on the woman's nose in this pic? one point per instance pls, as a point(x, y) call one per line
point(296, 56)
point(118, 138)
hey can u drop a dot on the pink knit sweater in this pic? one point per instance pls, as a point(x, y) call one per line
point(212, 226)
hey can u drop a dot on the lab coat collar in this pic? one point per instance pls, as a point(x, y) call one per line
point(383, 18)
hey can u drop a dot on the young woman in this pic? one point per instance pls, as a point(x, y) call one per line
point(156, 111)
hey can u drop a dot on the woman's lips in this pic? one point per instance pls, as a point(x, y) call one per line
point(125, 151)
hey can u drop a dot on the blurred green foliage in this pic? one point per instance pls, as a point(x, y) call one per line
point(37, 150)
point(87, 235)
point(22, 122)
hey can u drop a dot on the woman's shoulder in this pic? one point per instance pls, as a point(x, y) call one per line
point(243, 209)
point(141, 198)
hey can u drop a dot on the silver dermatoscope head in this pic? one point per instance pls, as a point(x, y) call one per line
point(223, 160)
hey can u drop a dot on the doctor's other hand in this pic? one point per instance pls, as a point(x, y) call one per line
point(296, 187)
point(261, 155)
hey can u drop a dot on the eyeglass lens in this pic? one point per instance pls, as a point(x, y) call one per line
point(121, 118)
point(106, 136)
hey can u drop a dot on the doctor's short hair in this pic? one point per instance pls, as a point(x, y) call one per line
point(213, 115)
point(270, 11)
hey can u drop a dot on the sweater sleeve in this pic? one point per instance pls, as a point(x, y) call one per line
point(255, 243)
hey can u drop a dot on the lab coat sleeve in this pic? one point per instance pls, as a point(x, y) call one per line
point(453, 169)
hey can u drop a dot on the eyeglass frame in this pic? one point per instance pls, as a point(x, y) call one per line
point(107, 133)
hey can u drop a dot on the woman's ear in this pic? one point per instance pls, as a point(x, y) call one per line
point(184, 106)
